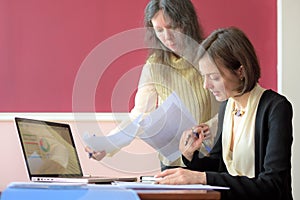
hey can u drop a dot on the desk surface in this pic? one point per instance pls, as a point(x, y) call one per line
point(178, 194)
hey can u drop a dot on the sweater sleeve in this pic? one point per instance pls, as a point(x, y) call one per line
point(146, 96)
point(144, 103)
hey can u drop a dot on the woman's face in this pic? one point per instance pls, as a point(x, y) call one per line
point(221, 86)
point(170, 36)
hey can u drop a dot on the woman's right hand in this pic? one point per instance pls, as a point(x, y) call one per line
point(97, 155)
point(191, 140)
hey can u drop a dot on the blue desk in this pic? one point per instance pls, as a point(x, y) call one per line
point(104, 192)
point(67, 194)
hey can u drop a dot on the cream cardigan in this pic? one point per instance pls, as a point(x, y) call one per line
point(158, 81)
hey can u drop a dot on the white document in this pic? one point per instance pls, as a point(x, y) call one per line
point(162, 129)
point(149, 186)
point(45, 185)
point(115, 141)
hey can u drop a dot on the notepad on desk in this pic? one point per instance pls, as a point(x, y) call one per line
point(46, 185)
point(149, 186)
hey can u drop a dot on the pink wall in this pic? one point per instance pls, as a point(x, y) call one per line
point(43, 44)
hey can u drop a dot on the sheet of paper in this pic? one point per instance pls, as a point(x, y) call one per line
point(44, 185)
point(162, 129)
point(149, 186)
point(115, 141)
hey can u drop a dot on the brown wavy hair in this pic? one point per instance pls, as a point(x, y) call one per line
point(183, 16)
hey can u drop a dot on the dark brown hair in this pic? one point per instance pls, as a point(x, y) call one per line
point(230, 48)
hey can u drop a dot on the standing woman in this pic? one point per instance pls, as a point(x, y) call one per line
point(173, 34)
point(252, 155)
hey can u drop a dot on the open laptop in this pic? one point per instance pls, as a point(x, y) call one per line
point(50, 153)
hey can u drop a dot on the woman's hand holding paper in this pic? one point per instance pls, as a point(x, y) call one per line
point(94, 154)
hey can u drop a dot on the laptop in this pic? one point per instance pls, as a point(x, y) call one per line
point(50, 153)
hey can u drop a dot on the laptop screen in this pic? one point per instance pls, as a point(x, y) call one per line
point(48, 148)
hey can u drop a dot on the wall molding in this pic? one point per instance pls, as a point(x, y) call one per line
point(68, 116)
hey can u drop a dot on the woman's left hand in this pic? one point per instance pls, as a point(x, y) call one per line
point(180, 176)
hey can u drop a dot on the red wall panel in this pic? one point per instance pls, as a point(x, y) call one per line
point(43, 45)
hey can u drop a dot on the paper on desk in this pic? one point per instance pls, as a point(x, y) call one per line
point(46, 185)
point(149, 186)
point(164, 126)
point(115, 141)
point(56, 185)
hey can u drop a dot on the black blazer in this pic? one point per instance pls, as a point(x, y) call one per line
point(273, 142)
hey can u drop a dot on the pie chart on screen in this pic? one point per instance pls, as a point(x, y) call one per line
point(44, 144)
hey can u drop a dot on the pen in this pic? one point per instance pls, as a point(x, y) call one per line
point(91, 153)
point(208, 149)
point(196, 134)
point(187, 140)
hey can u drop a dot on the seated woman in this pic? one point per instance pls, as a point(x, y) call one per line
point(252, 154)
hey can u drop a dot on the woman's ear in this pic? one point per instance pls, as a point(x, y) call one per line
point(241, 72)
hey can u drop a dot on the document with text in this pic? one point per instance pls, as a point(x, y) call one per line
point(162, 129)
